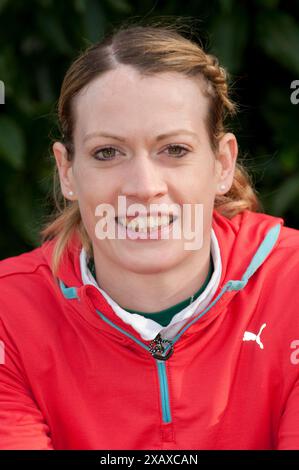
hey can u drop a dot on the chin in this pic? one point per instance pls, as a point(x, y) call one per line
point(150, 263)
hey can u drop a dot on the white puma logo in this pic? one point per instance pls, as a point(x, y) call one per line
point(248, 336)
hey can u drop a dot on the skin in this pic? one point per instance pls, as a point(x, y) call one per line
point(147, 275)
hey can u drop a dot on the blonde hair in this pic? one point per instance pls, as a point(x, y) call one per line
point(150, 49)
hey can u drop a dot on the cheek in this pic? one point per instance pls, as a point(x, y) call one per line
point(91, 190)
point(202, 177)
point(91, 185)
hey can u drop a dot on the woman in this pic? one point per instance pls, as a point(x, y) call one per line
point(138, 341)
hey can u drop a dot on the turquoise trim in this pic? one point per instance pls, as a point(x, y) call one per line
point(144, 346)
point(164, 394)
point(68, 292)
point(261, 254)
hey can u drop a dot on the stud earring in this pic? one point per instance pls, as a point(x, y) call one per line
point(222, 187)
point(71, 193)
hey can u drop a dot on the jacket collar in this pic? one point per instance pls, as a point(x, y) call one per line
point(245, 242)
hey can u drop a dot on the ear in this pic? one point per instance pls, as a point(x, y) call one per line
point(65, 170)
point(226, 158)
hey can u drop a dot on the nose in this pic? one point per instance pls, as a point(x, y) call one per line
point(144, 180)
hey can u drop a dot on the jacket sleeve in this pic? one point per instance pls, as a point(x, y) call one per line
point(22, 426)
point(288, 436)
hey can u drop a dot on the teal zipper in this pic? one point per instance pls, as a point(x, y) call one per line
point(162, 375)
point(163, 382)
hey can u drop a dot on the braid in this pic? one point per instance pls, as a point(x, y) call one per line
point(218, 76)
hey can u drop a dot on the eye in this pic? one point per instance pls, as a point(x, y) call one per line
point(107, 153)
point(177, 150)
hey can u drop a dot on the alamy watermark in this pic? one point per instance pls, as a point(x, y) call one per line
point(2, 92)
point(294, 358)
point(159, 221)
point(295, 94)
point(2, 353)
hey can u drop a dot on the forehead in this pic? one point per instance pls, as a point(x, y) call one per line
point(127, 101)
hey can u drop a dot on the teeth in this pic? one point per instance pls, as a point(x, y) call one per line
point(142, 224)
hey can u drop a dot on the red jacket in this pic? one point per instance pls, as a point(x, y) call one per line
point(75, 376)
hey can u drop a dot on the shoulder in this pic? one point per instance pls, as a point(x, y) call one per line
point(278, 282)
point(24, 263)
point(17, 274)
point(28, 263)
point(283, 262)
point(289, 238)
point(258, 222)
point(285, 256)
point(26, 280)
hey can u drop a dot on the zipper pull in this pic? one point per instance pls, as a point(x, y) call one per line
point(157, 348)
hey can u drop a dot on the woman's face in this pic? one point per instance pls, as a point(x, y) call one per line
point(158, 152)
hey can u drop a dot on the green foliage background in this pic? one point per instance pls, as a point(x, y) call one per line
point(256, 40)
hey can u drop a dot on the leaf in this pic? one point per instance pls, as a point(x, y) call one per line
point(45, 3)
point(281, 116)
point(121, 6)
point(3, 4)
point(229, 34)
point(95, 20)
point(268, 3)
point(24, 208)
point(8, 67)
point(226, 5)
point(80, 5)
point(12, 142)
point(278, 36)
point(52, 30)
point(285, 196)
point(44, 84)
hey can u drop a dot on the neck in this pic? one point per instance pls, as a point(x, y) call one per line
point(156, 291)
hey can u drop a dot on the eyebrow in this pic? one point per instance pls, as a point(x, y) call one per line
point(122, 139)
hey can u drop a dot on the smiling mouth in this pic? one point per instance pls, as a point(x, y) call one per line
point(143, 224)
